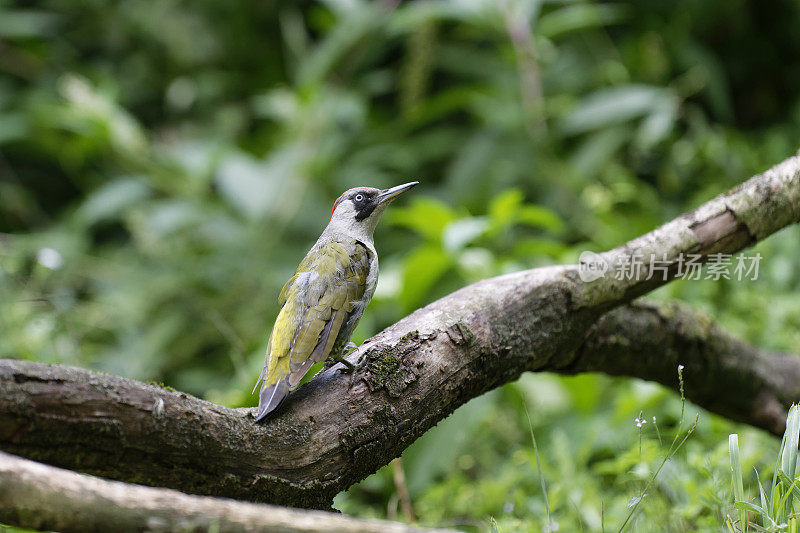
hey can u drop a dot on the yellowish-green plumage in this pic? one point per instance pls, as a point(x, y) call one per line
point(316, 302)
point(325, 298)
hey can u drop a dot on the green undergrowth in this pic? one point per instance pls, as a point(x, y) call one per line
point(164, 167)
point(615, 455)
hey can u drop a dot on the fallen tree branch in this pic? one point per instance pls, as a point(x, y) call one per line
point(327, 436)
point(38, 496)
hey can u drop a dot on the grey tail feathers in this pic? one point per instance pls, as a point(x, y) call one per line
point(260, 377)
point(271, 397)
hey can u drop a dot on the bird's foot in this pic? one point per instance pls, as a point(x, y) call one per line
point(349, 368)
point(333, 359)
point(349, 348)
point(355, 370)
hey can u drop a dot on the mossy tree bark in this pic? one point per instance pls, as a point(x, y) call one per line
point(328, 436)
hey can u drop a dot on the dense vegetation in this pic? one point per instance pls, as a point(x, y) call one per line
point(164, 166)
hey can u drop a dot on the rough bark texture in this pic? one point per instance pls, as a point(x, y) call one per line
point(43, 497)
point(326, 436)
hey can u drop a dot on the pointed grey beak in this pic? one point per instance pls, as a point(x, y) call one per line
point(388, 195)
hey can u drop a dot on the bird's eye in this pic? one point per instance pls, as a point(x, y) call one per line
point(359, 197)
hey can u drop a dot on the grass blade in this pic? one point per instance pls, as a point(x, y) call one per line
point(790, 437)
point(764, 501)
point(736, 477)
point(539, 467)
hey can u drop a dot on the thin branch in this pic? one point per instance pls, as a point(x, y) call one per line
point(34, 495)
point(403, 497)
point(328, 436)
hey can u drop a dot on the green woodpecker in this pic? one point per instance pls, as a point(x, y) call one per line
point(323, 301)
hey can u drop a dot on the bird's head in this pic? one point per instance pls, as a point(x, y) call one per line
point(360, 208)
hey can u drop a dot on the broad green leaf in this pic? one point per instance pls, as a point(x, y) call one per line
point(351, 26)
point(256, 187)
point(540, 246)
point(423, 268)
point(112, 199)
point(167, 216)
point(579, 17)
point(504, 207)
point(426, 216)
point(658, 125)
point(598, 149)
point(541, 217)
point(606, 107)
point(280, 105)
point(460, 233)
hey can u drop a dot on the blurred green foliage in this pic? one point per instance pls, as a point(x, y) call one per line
point(164, 166)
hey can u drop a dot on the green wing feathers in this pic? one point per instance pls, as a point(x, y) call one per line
point(317, 300)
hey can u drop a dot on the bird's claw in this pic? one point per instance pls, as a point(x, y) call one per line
point(356, 368)
point(349, 368)
point(349, 348)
